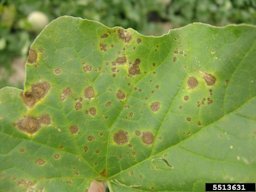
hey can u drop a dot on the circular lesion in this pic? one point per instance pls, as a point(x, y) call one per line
point(121, 137)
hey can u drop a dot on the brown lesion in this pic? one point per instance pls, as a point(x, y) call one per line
point(120, 95)
point(89, 92)
point(192, 82)
point(57, 71)
point(209, 79)
point(147, 138)
point(155, 106)
point(40, 162)
point(103, 47)
point(87, 68)
point(73, 129)
point(135, 68)
point(90, 138)
point(65, 94)
point(104, 173)
point(92, 111)
point(31, 125)
point(38, 91)
point(121, 137)
point(124, 35)
point(32, 56)
point(45, 119)
point(121, 60)
point(105, 35)
point(78, 105)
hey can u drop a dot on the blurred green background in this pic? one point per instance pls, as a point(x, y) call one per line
point(22, 20)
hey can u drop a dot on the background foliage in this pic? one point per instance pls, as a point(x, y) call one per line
point(147, 16)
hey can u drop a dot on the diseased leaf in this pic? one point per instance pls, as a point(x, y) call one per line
point(139, 113)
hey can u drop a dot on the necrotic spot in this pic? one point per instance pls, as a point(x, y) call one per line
point(29, 125)
point(188, 118)
point(155, 106)
point(103, 47)
point(147, 137)
point(121, 137)
point(73, 129)
point(137, 132)
point(91, 138)
point(85, 148)
point(108, 103)
point(78, 105)
point(105, 35)
point(57, 71)
point(104, 173)
point(89, 92)
point(124, 35)
point(135, 68)
point(65, 94)
point(186, 97)
point(40, 162)
point(209, 79)
point(45, 119)
point(38, 91)
point(121, 60)
point(87, 68)
point(32, 56)
point(22, 150)
point(120, 95)
point(56, 156)
point(192, 82)
point(92, 111)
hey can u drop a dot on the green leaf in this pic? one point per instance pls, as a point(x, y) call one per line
point(139, 113)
